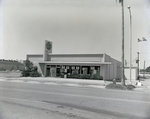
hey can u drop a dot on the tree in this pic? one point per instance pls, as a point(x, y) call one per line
point(28, 65)
point(123, 76)
point(12, 68)
point(148, 69)
point(30, 70)
point(142, 70)
point(17, 65)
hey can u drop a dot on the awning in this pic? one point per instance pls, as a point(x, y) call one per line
point(75, 63)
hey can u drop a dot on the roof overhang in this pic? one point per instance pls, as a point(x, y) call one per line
point(75, 63)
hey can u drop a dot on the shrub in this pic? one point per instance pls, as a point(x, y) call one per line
point(77, 76)
point(101, 78)
point(130, 87)
point(25, 73)
point(35, 74)
point(62, 75)
point(118, 80)
point(75, 72)
point(141, 77)
point(2, 69)
point(30, 70)
point(85, 76)
point(119, 86)
point(96, 77)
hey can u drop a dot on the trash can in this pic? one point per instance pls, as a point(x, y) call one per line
point(114, 81)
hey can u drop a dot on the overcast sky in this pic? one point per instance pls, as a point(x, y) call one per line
point(74, 26)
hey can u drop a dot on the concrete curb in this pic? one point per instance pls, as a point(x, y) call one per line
point(58, 81)
point(142, 90)
point(69, 82)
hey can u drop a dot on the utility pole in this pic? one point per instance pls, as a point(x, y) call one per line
point(139, 83)
point(130, 44)
point(144, 70)
point(138, 65)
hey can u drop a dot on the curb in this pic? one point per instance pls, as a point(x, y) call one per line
point(75, 84)
point(59, 80)
point(69, 82)
point(142, 89)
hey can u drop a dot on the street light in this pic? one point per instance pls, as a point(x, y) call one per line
point(130, 42)
point(143, 39)
point(139, 40)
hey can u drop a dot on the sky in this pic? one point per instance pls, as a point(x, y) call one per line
point(74, 27)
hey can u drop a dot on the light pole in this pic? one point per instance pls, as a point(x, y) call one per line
point(144, 70)
point(130, 43)
point(139, 40)
point(138, 65)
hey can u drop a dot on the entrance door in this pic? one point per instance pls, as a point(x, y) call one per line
point(57, 72)
point(53, 71)
point(48, 72)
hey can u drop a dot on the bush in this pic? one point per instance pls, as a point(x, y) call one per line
point(85, 76)
point(101, 78)
point(130, 87)
point(2, 69)
point(96, 77)
point(35, 74)
point(30, 70)
point(118, 80)
point(25, 73)
point(119, 86)
point(141, 77)
point(76, 76)
point(75, 72)
point(62, 75)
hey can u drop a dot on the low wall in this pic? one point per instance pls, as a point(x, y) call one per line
point(10, 74)
point(7, 65)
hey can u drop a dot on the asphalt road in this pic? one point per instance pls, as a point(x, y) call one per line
point(41, 101)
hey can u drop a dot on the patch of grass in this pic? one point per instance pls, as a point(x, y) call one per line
point(130, 87)
point(120, 87)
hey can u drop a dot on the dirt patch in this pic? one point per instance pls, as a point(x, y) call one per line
point(120, 87)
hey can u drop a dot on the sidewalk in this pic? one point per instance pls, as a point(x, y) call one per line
point(59, 81)
point(144, 82)
point(76, 82)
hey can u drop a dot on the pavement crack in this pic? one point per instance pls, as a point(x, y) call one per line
point(46, 110)
point(98, 111)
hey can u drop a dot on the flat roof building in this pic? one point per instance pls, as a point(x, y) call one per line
point(64, 65)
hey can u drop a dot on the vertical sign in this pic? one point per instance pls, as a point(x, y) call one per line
point(47, 49)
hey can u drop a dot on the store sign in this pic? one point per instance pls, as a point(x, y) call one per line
point(48, 46)
point(63, 67)
point(47, 49)
point(77, 67)
point(67, 67)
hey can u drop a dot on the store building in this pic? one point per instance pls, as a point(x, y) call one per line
point(56, 65)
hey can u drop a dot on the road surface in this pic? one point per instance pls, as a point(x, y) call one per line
point(41, 101)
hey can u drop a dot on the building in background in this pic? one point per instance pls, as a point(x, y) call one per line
point(11, 65)
point(134, 71)
point(56, 65)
